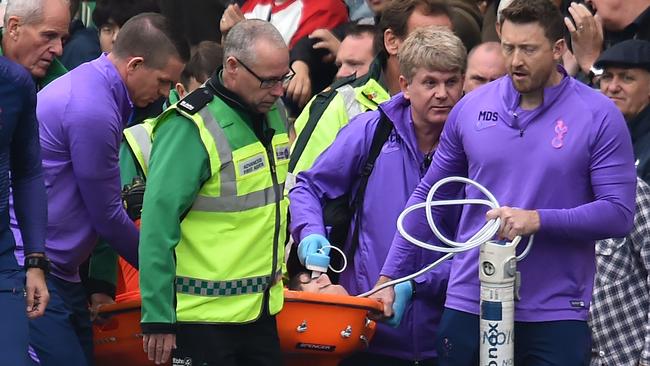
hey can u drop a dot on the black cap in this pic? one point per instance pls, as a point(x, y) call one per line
point(633, 53)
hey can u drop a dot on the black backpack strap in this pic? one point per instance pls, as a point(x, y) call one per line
point(316, 110)
point(382, 132)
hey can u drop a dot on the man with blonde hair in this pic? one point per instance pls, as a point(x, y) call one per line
point(405, 132)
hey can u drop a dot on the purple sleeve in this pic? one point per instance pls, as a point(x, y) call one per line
point(28, 187)
point(449, 160)
point(94, 153)
point(333, 175)
point(613, 179)
point(433, 284)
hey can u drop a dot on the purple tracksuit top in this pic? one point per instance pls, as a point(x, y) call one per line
point(570, 159)
point(397, 171)
point(81, 116)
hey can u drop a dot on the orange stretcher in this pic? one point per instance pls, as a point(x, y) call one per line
point(314, 329)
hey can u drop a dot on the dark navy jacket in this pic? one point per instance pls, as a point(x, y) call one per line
point(20, 163)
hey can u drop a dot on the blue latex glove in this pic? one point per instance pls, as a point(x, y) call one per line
point(403, 294)
point(311, 244)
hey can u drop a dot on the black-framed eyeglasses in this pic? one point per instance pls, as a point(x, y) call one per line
point(270, 82)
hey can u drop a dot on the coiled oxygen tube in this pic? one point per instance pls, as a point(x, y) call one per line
point(485, 234)
point(497, 271)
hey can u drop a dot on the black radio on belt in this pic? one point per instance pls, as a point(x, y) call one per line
point(132, 196)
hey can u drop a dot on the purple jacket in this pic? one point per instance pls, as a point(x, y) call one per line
point(81, 117)
point(397, 171)
point(570, 159)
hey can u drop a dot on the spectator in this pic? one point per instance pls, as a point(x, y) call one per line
point(297, 18)
point(485, 63)
point(619, 315)
point(81, 116)
point(549, 128)
point(110, 15)
point(626, 81)
point(82, 44)
point(23, 44)
point(614, 21)
point(356, 51)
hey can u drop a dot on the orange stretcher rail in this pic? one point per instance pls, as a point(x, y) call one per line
point(314, 329)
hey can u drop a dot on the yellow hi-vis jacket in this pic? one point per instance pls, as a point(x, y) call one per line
point(230, 253)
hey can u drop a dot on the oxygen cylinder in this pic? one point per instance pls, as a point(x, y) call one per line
point(497, 274)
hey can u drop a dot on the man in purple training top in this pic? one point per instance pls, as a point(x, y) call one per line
point(560, 152)
point(81, 116)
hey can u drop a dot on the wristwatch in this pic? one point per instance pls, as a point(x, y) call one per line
point(38, 262)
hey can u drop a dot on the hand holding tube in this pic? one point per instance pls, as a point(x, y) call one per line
point(313, 244)
point(403, 294)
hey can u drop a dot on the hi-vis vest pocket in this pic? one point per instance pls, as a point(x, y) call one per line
point(251, 164)
point(250, 161)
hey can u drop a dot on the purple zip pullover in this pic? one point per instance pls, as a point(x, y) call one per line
point(397, 171)
point(81, 117)
point(570, 159)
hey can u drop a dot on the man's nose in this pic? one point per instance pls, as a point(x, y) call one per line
point(440, 91)
point(278, 90)
point(323, 279)
point(57, 47)
point(344, 71)
point(614, 86)
point(517, 58)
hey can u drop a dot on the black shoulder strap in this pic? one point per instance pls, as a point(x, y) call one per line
point(382, 132)
point(196, 100)
point(316, 110)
